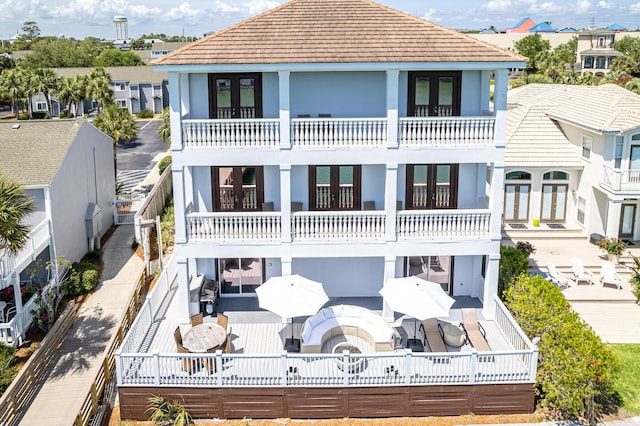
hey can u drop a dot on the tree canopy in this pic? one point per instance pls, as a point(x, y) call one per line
point(535, 48)
point(15, 206)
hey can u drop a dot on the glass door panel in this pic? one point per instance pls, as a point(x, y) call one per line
point(249, 189)
point(226, 192)
point(523, 202)
point(345, 188)
point(445, 97)
point(437, 269)
point(547, 202)
point(247, 98)
point(420, 189)
point(627, 221)
point(223, 98)
point(561, 201)
point(443, 186)
point(323, 188)
point(510, 202)
point(240, 275)
point(422, 96)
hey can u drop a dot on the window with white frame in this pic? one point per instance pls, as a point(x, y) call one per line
point(41, 106)
point(120, 87)
point(582, 208)
point(121, 103)
point(587, 143)
point(617, 158)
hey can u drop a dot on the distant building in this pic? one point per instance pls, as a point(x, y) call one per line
point(543, 27)
point(617, 28)
point(567, 30)
point(522, 26)
point(596, 50)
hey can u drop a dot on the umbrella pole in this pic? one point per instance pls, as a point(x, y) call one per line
point(415, 329)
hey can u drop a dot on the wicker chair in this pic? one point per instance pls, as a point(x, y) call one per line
point(223, 321)
point(197, 319)
point(188, 364)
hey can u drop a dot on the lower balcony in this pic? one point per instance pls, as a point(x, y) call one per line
point(339, 226)
point(621, 180)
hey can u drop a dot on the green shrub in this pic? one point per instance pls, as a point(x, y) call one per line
point(513, 262)
point(89, 280)
point(23, 116)
point(576, 371)
point(64, 113)
point(168, 226)
point(144, 113)
point(40, 115)
point(164, 163)
point(83, 277)
point(7, 366)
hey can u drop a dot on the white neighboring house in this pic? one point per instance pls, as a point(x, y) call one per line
point(573, 158)
point(66, 166)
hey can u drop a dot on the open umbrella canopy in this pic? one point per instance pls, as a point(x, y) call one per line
point(291, 296)
point(416, 297)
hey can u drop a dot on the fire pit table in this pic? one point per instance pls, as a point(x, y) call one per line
point(354, 363)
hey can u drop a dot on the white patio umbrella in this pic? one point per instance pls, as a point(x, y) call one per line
point(291, 296)
point(417, 298)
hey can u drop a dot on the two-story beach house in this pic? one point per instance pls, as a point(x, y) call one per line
point(349, 143)
point(65, 167)
point(596, 50)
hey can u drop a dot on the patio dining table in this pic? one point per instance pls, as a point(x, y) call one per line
point(204, 337)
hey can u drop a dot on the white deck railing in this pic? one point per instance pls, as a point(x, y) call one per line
point(234, 133)
point(467, 131)
point(339, 225)
point(621, 180)
point(39, 237)
point(12, 332)
point(439, 224)
point(322, 370)
point(338, 132)
point(234, 226)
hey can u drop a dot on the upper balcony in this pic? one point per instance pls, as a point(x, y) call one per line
point(37, 240)
point(623, 181)
point(331, 133)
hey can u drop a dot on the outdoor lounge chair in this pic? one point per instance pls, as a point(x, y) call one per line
point(558, 278)
point(432, 335)
point(608, 275)
point(580, 273)
point(475, 332)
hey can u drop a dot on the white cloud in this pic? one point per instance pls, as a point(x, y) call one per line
point(144, 11)
point(498, 6)
point(430, 15)
point(224, 7)
point(582, 6)
point(183, 11)
point(547, 7)
point(634, 9)
point(605, 5)
point(258, 6)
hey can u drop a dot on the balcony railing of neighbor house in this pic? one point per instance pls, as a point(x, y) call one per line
point(231, 133)
point(447, 131)
point(12, 331)
point(621, 180)
point(438, 224)
point(339, 225)
point(234, 226)
point(338, 132)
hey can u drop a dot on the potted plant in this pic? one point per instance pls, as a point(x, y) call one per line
point(613, 246)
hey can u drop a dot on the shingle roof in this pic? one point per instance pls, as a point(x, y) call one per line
point(33, 153)
point(605, 108)
point(335, 31)
point(135, 75)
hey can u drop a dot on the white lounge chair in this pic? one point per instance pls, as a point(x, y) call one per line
point(608, 275)
point(558, 278)
point(580, 273)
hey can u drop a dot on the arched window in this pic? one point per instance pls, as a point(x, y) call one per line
point(518, 175)
point(555, 175)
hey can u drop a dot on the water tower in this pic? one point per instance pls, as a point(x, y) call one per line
point(120, 28)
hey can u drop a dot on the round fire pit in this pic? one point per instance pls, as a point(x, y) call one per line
point(354, 363)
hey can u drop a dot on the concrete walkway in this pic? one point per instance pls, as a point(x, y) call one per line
point(69, 378)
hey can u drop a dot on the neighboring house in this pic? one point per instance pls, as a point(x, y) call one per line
point(348, 151)
point(596, 50)
point(522, 26)
point(617, 28)
point(543, 27)
point(66, 167)
point(573, 158)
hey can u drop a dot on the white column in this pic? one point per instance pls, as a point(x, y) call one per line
point(285, 113)
point(47, 208)
point(481, 185)
point(175, 111)
point(500, 87)
point(485, 91)
point(490, 286)
point(614, 210)
point(183, 290)
point(496, 200)
point(285, 202)
point(286, 265)
point(390, 197)
point(179, 200)
point(392, 108)
point(389, 272)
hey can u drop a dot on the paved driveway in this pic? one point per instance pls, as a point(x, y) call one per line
point(140, 153)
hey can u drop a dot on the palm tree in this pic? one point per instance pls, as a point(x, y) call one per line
point(15, 206)
point(99, 87)
point(13, 83)
point(633, 85)
point(164, 131)
point(72, 91)
point(45, 81)
point(117, 123)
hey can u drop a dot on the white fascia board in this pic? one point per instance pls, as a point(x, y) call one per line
point(359, 66)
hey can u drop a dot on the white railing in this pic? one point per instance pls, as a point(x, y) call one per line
point(126, 207)
point(233, 133)
point(7, 266)
point(234, 226)
point(324, 370)
point(338, 132)
point(443, 224)
point(467, 131)
point(339, 225)
point(621, 180)
point(12, 332)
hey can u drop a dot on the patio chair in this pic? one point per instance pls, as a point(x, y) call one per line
point(197, 319)
point(609, 276)
point(210, 363)
point(227, 343)
point(268, 206)
point(558, 278)
point(580, 273)
point(223, 321)
point(296, 206)
point(476, 334)
point(432, 335)
point(188, 364)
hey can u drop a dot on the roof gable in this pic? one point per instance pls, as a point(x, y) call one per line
point(335, 31)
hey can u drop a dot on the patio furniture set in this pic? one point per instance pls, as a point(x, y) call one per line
point(581, 275)
point(203, 337)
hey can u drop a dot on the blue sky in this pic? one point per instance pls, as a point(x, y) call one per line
point(81, 18)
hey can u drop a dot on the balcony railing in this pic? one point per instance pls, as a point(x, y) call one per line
point(234, 226)
point(339, 225)
point(317, 133)
point(38, 238)
point(242, 133)
point(443, 224)
point(621, 180)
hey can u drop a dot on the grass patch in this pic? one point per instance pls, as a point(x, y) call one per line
point(628, 381)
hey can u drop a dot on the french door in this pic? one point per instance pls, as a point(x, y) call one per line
point(554, 202)
point(432, 186)
point(627, 221)
point(434, 93)
point(237, 189)
point(334, 187)
point(516, 202)
point(235, 95)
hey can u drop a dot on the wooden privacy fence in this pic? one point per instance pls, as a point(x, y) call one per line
point(18, 395)
point(96, 404)
point(153, 205)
